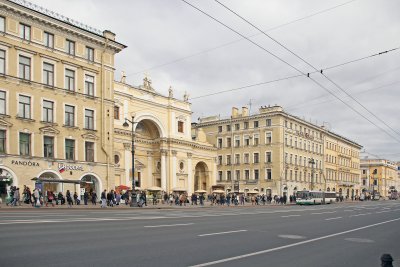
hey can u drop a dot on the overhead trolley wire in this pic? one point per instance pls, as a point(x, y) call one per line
point(282, 60)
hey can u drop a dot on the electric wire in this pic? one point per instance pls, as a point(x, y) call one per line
point(309, 64)
point(238, 40)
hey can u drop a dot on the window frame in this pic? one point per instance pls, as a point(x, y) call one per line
point(3, 141)
point(3, 102)
point(67, 115)
point(28, 144)
point(70, 47)
point(48, 39)
point(89, 151)
point(89, 53)
point(48, 147)
point(48, 75)
point(24, 68)
point(89, 120)
point(47, 110)
point(23, 33)
point(26, 108)
point(66, 154)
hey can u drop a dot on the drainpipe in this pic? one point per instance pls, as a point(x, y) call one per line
point(103, 124)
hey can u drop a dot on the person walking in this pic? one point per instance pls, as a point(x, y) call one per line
point(50, 198)
point(103, 199)
point(94, 198)
point(69, 199)
point(85, 197)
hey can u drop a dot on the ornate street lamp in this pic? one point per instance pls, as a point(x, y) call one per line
point(126, 124)
point(312, 162)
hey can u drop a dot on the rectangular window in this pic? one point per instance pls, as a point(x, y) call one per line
point(256, 174)
point(219, 160)
point(268, 138)
point(246, 125)
point(219, 175)
point(228, 128)
point(228, 142)
point(3, 143)
point(237, 158)
point(48, 148)
point(25, 31)
point(268, 174)
point(228, 175)
point(256, 139)
point(49, 39)
point(89, 53)
point(24, 107)
point(237, 141)
point(24, 144)
point(116, 113)
point(2, 62)
point(180, 126)
point(70, 47)
point(24, 68)
point(268, 157)
point(246, 140)
point(228, 160)
point(3, 102)
point(69, 80)
point(69, 115)
point(89, 151)
point(89, 85)
point(69, 149)
point(220, 129)
point(268, 122)
point(48, 109)
point(237, 126)
point(48, 74)
point(89, 119)
point(246, 174)
point(256, 124)
point(219, 142)
point(2, 24)
point(256, 158)
point(237, 175)
point(246, 158)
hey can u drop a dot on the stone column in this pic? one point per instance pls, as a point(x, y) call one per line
point(174, 153)
point(164, 169)
point(150, 179)
point(213, 179)
point(128, 163)
point(190, 174)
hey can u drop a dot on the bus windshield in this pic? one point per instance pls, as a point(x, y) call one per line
point(302, 194)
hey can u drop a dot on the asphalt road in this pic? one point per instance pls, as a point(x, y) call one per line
point(351, 234)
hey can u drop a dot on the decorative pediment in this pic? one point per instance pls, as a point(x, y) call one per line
point(5, 123)
point(139, 165)
point(90, 136)
point(49, 130)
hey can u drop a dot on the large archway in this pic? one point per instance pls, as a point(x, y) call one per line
point(54, 187)
point(7, 178)
point(201, 177)
point(92, 184)
point(147, 139)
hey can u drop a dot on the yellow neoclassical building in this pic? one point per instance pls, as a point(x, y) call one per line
point(275, 153)
point(379, 175)
point(166, 154)
point(56, 98)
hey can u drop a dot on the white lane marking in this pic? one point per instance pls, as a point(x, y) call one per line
point(333, 218)
point(222, 233)
point(359, 240)
point(383, 211)
point(167, 225)
point(348, 210)
point(292, 245)
point(292, 236)
point(287, 216)
point(362, 214)
point(316, 213)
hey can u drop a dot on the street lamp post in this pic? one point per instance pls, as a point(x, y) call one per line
point(126, 124)
point(312, 162)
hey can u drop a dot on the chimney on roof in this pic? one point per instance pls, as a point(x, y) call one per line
point(245, 111)
point(235, 112)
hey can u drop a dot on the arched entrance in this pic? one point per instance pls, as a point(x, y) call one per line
point(7, 178)
point(92, 184)
point(54, 187)
point(147, 134)
point(201, 176)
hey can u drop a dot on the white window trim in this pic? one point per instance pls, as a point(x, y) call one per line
point(222, 142)
point(75, 115)
point(76, 77)
point(7, 101)
point(227, 175)
point(32, 144)
point(94, 117)
point(266, 156)
point(31, 56)
point(94, 82)
point(54, 144)
point(54, 63)
point(54, 109)
point(258, 157)
point(266, 174)
point(31, 106)
point(7, 139)
point(254, 138)
point(265, 136)
point(254, 174)
point(94, 150)
point(5, 48)
point(76, 158)
point(244, 174)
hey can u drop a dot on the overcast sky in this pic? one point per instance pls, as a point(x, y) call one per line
point(180, 47)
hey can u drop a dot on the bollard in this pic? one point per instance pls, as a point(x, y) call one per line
point(386, 260)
